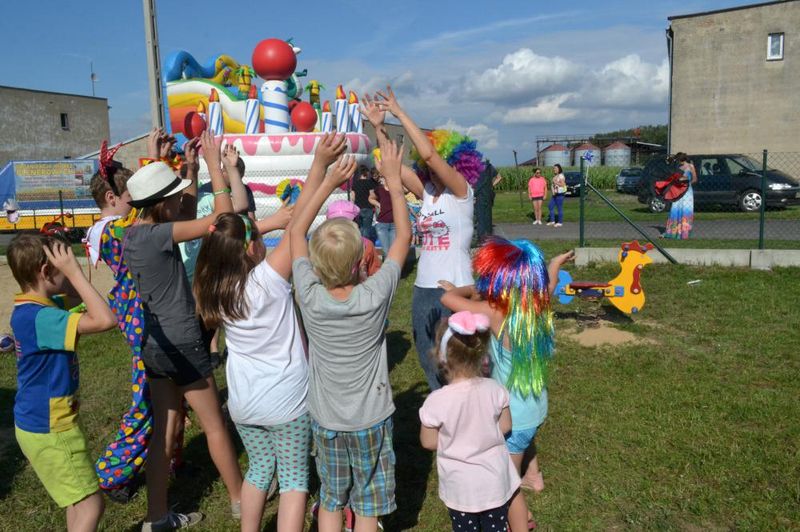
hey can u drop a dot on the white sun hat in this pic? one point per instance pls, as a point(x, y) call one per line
point(152, 183)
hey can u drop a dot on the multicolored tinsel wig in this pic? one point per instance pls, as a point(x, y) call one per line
point(512, 277)
point(459, 151)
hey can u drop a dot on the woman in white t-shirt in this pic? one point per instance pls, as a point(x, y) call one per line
point(237, 287)
point(446, 164)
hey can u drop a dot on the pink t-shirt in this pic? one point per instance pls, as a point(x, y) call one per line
point(536, 187)
point(475, 469)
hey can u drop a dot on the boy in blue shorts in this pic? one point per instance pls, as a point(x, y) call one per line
point(349, 395)
point(46, 406)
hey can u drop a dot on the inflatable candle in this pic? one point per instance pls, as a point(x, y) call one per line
point(215, 125)
point(342, 116)
point(355, 114)
point(327, 119)
point(252, 112)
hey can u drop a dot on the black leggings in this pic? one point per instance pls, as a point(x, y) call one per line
point(494, 520)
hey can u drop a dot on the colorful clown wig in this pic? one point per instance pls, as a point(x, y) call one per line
point(512, 277)
point(457, 150)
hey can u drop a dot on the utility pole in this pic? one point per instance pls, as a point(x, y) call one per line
point(153, 64)
point(93, 76)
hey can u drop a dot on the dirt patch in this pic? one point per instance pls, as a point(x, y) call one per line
point(603, 334)
point(102, 279)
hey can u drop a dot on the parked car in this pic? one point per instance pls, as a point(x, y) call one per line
point(728, 179)
point(573, 180)
point(628, 180)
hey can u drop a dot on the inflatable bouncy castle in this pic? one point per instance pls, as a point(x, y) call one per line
point(275, 130)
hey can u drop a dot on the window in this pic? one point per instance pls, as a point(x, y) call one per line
point(775, 47)
point(65, 121)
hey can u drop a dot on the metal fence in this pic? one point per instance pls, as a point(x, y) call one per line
point(744, 201)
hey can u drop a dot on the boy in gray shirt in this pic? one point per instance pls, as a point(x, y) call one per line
point(350, 398)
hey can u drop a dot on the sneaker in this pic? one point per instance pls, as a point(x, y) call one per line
point(125, 493)
point(172, 521)
point(557, 225)
point(551, 223)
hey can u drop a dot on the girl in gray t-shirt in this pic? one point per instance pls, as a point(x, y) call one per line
point(176, 361)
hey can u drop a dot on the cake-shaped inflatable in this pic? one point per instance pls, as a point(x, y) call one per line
point(274, 129)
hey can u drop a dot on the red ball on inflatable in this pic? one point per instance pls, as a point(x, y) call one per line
point(274, 59)
point(304, 117)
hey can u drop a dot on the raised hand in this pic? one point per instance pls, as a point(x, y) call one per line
point(391, 164)
point(154, 143)
point(166, 144)
point(283, 216)
point(341, 172)
point(330, 148)
point(211, 149)
point(371, 109)
point(388, 102)
point(61, 257)
point(190, 152)
point(230, 155)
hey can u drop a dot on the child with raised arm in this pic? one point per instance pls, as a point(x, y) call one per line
point(464, 422)
point(176, 360)
point(447, 164)
point(240, 288)
point(515, 286)
point(349, 397)
point(46, 405)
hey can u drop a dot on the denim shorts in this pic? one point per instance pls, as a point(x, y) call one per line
point(518, 441)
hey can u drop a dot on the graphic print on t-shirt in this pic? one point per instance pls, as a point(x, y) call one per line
point(434, 231)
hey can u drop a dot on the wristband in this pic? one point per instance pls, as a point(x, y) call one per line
point(223, 191)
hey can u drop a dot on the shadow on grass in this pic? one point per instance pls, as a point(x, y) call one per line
point(397, 347)
point(11, 458)
point(413, 463)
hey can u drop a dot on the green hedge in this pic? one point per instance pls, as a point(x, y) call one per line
point(514, 179)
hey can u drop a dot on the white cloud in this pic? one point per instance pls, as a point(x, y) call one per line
point(454, 36)
point(631, 82)
point(486, 136)
point(547, 110)
point(523, 75)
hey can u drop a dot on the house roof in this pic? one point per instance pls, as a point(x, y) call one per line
point(54, 92)
point(735, 8)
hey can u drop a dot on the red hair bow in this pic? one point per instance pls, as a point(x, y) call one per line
point(107, 157)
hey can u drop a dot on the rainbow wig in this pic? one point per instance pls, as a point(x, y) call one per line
point(512, 277)
point(459, 151)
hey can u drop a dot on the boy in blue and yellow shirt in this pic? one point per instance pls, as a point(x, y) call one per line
point(46, 406)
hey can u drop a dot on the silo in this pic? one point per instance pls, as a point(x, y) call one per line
point(591, 152)
point(554, 154)
point(617, 154)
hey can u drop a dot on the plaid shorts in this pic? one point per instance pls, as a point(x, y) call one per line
point(356, 467)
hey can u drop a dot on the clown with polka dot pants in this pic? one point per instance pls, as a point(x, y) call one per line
point(124, 457)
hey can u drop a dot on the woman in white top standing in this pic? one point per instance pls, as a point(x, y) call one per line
point(559, 189)
point(447, 163)
point(238, 287)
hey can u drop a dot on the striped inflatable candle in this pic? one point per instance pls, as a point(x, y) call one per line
point(355, 114)
point(276, 106)
point(215, 124)
point(342, 116)
point(251, 112)
point(327, 118)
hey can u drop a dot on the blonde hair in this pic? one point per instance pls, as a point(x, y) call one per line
point(335, 251)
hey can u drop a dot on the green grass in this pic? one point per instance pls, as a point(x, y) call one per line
point(509, 208)
point(695, 425)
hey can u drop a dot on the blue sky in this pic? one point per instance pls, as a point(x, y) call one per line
point(502, 71)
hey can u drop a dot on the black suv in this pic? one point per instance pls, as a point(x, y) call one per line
point(728, 179)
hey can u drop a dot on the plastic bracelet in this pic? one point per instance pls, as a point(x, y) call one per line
point(223, 191)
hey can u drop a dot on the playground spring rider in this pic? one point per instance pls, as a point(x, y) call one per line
point(624, 291)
